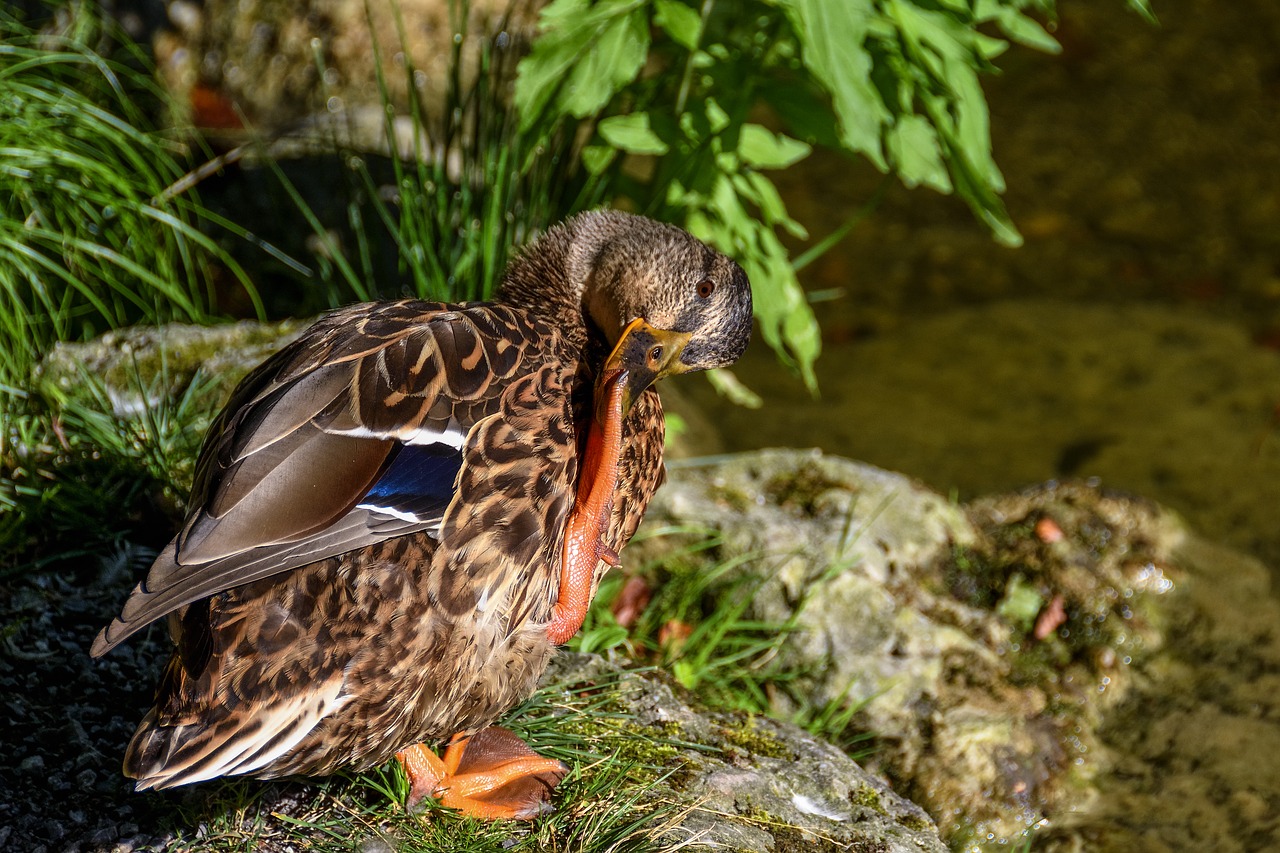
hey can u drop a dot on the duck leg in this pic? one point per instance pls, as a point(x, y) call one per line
point(491, 774)
point(583, 547)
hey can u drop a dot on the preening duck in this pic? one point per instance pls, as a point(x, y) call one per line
point(398, 516)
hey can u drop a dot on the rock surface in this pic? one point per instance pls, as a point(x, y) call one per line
point(141, 365)
point(757, 784)
point(1009, 655)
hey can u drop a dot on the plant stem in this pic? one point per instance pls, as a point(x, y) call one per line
point(686, 79)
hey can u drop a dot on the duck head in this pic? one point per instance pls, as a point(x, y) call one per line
point(665, 302)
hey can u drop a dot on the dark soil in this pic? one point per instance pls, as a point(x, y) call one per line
point(70, 717)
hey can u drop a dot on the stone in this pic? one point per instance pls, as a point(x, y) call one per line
point(751, 783)
point(902, 604)
point(137, 367)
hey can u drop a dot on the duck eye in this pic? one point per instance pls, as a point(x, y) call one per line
point(706, 287)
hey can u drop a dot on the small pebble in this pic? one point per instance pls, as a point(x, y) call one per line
point(1048, 531)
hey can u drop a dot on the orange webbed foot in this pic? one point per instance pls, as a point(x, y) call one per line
point(491, 774)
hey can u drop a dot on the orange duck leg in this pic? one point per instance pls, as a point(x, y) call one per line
point(583, 546)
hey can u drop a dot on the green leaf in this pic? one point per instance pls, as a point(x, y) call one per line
point(1027, 31)
point(583, 54)
point(596, 158)
point(786, 320)
point(1021, 603)
point(764, 149)
point(973, 123)
point(803, 110)
point(1143, 8)
point(679, 21)
point(832, 35)
point(729, 386)
point(632, 133)
point(913, 148)
point(716, 116)
point(987, 10)
point(760, 191)
point(970, 184)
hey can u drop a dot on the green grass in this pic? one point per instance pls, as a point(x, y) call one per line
point(88, 239)
point(605, 804)
point(697, 626)
point(78, 478)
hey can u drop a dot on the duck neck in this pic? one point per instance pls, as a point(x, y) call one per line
point(548, 280)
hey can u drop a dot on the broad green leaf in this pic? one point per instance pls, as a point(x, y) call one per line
point(803, 111)
point(932, 36)
point(679, 21)
point(761, 191)
point(987, 10)
point(716, 116)
point(973, 123)
point(1028, 31)
point(764, 149)
point(989, 48)
point(913, 148)
point(678, 195)
point(611, 62)
point(583, 54)
point(832, 34)
point(552, 55)
point(786, 320)
point(632, 133)
point(970, 185)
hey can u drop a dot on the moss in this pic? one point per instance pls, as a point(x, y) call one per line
point(789, 839)
point(801, 489)
point(743, 733)
point(738, 500)
point(916, 823)
point(973, 577)
point(868, 798)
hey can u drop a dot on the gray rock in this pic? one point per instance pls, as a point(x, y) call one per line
point(137, 367)
point(938, 622)
point(753, 783)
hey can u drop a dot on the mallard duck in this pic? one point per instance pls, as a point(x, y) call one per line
point(399, 516)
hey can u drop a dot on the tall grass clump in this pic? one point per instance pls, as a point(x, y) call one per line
point(88, 239)
point(457, 185)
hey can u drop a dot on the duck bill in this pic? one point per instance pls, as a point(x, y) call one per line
point(643, 355)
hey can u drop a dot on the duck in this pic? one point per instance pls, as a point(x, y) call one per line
point(399, 517)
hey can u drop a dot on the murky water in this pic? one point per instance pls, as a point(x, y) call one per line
point(1133, 338)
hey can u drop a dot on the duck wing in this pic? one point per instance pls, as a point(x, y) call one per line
point(353, 434)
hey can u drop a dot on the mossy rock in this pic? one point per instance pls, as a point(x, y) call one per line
point(982, 645)
point(746, 782)
point(138, 367)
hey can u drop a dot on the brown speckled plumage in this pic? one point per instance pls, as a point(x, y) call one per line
point(373, 549)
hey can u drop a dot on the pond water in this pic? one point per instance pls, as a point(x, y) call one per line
point(1132, 338)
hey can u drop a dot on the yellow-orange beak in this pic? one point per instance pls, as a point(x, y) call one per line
point(643, 355)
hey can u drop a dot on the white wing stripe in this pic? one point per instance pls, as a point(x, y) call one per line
point(452, 435)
